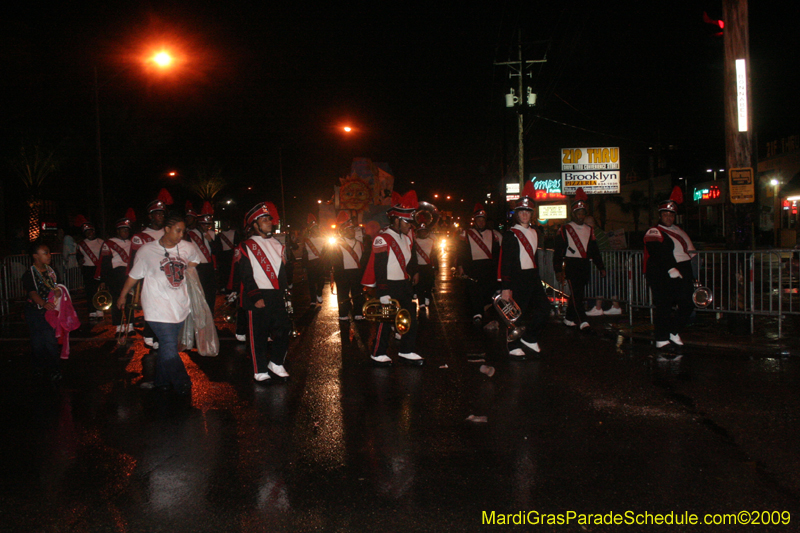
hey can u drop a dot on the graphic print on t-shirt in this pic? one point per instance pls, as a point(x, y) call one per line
point(174, 270)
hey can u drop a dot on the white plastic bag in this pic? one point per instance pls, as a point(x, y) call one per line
point(203, 321)
point(186, 338)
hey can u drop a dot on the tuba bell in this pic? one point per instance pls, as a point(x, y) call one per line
point(702, 296)
point(510, 312)
point(102, 299)
point(375, 311)
point(426, 215)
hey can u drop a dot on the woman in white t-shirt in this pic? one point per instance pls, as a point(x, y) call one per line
point(162, 264)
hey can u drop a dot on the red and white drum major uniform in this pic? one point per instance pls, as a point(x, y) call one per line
point(263, 278)
point(89, 259)
point(348, 258)
point(116, 256)
point(576, 246)
point(477, 255)
point(314, 260)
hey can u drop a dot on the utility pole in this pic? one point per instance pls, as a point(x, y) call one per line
point(519, 68)
point(739, 130)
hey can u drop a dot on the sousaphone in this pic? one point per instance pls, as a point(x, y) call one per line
point(426, 216)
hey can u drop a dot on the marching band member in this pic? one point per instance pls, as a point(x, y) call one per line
point(235, 291)
point(477, 254)
point(668, 268)
point(428, 261)
point(153, 232)
point(313, 248)
point(263, 278)
point(205, 270)
point(519, 275)
point(89, 256)
point(576, 246)
point(162, 264)
point(348, 258)
point(228, 240)
point(115, 259)
point(392, 270)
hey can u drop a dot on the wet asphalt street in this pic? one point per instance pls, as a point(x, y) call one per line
point(590, 427)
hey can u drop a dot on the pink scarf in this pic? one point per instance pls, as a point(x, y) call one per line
point(63, 318)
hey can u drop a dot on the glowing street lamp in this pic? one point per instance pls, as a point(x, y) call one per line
point(163, 59)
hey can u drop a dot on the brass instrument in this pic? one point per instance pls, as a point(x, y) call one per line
point(702, 296)
point(287, 300)
point(375, 311)
point(127, 318)
point(510, 312)
point(426, 215)
point(229, 311)
point(102, 299)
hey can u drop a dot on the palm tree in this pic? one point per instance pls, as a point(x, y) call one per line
point(33, 165)
point(208, 181)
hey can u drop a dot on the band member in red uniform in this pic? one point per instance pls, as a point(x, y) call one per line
point(89, 259)
point(576, 246)
point(668, 254)
point(348, 259)
point(428, 262)
point(519, 275)
point(263, 277)
point(235, 290)
point(205, 270)
point(392, 270)
point(477, 253)
point(227, 242)
point(116, 256)
point(313, 260)
point(153, 232)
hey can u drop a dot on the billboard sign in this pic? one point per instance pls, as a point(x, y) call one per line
point(596, 170)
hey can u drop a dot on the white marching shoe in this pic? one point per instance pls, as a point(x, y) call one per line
point(278, 370)
point(613, 311)
point(594, 311)
point(381, 360)
point(241, 338)
point(264, 376)
point(676, 339)
point(661, 344)
point(569, 323)
point(532, 345)
point(411, 358)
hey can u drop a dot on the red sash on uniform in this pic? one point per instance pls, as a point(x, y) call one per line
point(226, 240)
point(678, 238)
point(422, 253)
point(343, 244)
point(262, 259)
point(480, 242)
point(525, 244)
point(575, 239)
point(310, 244)
point(397, 252)
point(117, 248)
point(88, 252)
point(200, 242)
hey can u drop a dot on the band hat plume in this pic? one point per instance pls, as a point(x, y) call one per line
point(526, 200)
point(580, 201)
point(671, 204)
point(405, 206)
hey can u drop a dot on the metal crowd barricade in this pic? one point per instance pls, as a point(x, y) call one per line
point(14, 266)
point(745, 282)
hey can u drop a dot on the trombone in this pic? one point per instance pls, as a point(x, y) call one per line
point(127, 317)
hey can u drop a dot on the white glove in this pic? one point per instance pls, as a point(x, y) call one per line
point(386, 300)
point(232, 297)
point(674, 273)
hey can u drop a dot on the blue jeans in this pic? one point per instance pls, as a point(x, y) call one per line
point(169, 366)
point(45, 350)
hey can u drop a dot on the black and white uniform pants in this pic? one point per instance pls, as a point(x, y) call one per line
point(401, 291)
point(316, 279)
point(271, 321)
point(349, 291)
point(480, 293)
point(208, 280)
point(90, 284)
point(669, 293)
point(578, 272)
point(116, 281)
point(528, 292)
point(424, 288)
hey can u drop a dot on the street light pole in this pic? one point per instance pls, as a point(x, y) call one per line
point(280, 170)
point(100, 192)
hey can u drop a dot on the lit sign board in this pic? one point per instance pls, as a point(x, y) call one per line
point(596, 170)
point(708, 195)
point(512, 188)
point(741, 94)
point(547, 186)
point(550, 212)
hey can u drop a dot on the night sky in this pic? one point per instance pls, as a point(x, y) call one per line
point(417, 82)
